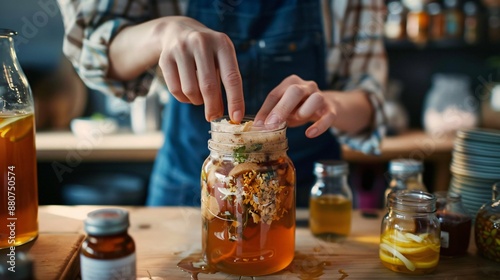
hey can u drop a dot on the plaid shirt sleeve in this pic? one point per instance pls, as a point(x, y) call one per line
point(357, 60)
point(90, 26)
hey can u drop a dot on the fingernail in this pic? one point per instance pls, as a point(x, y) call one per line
point(259, 123)
point(273, 119)
point(313, 132)
point(237, 116)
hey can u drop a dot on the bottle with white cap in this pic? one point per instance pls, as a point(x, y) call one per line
point(405, 174)
point(108, 252)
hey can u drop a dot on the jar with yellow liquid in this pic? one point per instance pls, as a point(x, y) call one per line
point(18, 173)
point(330, 203)
point(410, 237)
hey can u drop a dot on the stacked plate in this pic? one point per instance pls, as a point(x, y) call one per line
point(475, 166)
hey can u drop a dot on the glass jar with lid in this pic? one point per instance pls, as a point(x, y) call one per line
point(410, 241)
point(405, 174)
point(487, 227)
point(456, 223)
point(330, 204)
point(248, 199)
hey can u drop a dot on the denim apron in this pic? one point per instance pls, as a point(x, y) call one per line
point(273, 39)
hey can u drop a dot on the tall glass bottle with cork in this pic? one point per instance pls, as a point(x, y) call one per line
point(18, 173)
point(330, 204)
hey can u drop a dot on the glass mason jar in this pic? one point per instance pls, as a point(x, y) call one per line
point(330, 204)
point(456, 223)
point(487, 227)
point(410, 233)
point(405, 174)
point(18, 172)
point(248, 199)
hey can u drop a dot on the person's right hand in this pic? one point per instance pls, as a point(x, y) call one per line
point(194, 59)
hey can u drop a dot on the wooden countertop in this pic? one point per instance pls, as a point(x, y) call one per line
point(125, 146)
point(166, 235)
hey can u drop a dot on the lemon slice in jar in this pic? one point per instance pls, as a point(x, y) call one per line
point(408, 264)
point(15, 127)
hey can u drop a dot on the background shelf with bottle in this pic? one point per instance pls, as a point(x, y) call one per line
point(426, 37)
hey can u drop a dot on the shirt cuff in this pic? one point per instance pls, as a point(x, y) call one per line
point(369, 140)
point(94, 64)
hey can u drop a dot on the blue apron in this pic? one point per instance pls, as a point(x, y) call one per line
point(273, 39)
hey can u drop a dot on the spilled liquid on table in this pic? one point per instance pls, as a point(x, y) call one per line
point(306, 266)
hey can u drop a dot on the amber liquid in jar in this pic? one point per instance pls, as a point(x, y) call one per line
point(108, 247)
point(332, 217)
point(455, 234)
point(108, 251)
point(248, 208)
point(19, 180)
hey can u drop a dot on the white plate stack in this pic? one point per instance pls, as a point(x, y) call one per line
point(475, 166)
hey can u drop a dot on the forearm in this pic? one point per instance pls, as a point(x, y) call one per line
point(135, 49)
point(354, 111)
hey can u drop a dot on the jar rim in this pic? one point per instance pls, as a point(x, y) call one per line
point(412, 200)
point(218, 123)
point(5, 32)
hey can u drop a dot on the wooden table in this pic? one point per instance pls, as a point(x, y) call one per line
point(164, 236)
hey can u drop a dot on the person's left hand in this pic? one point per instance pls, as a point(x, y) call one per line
point(298, 102)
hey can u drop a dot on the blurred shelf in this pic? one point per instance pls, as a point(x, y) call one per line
point(445, 44)
point(414, 144)
point(121, 146)
point(126, 146)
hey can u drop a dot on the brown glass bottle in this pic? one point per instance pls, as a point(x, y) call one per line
point(108, 252)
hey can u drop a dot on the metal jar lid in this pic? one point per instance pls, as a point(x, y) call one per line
point(331, 168)
point(107, 221)
point(405, 166)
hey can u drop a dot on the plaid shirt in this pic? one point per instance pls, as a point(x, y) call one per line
point(353, 32)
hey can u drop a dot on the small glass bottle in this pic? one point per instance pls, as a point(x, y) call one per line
point(410, 241)
point(330, 205)
point(248, 199)
point(456, 224)
point(417, 23)
point(108, 252)
point(436, 26)
point(453, 19)
point(487, 227)
point(405, 174)
point(494, 24)
point(394, 27)
point(472, 22)
point(18, 170)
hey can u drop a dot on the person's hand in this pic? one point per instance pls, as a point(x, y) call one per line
point(298, 102)
point(194, 59)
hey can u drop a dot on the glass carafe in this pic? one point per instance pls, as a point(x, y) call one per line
point(19, 191)
point(487, 227)
point(248, 199)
